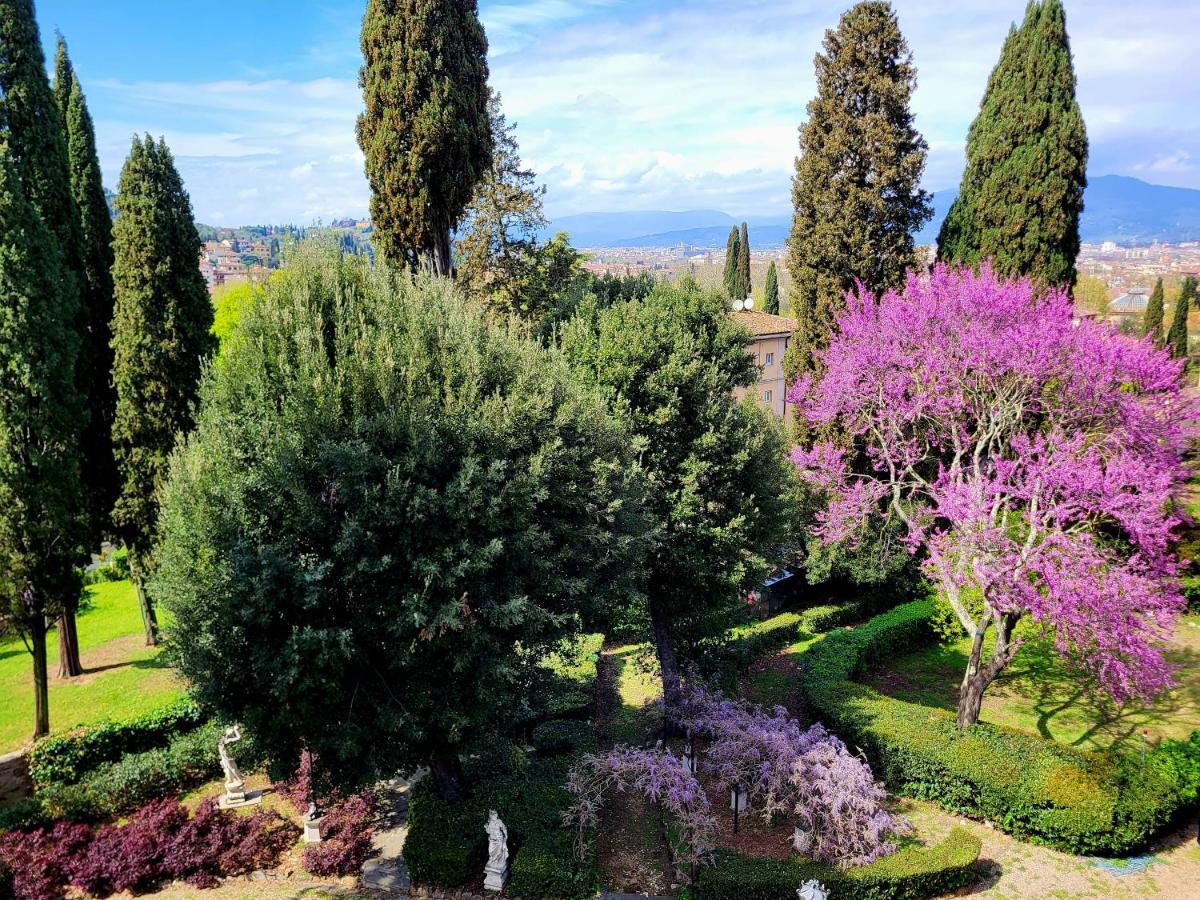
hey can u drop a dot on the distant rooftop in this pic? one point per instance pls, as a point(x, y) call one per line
point(1132, 302)
point(761, 324)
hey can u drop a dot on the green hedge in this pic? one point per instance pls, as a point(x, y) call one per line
point(1032, 788)
point(1191, 592)
point(819, 619)
point(446, 843)
point(564, 736)
point(66, 758)
point(910, 874)
point(545, 868)
point(115, 788)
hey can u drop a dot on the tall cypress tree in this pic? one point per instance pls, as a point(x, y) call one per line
point(771, 290)
point(94, 368)
point(856, 192)
point(743, 263)
point(1152, 318)
point(425, 132)
point(40, 494)
point(1177, 337)
point(1027, 150)
point(36, 142)
point(731, 263)
point(162, 321)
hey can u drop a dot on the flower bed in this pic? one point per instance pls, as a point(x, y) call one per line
point(159, 843)
point(1034, 789)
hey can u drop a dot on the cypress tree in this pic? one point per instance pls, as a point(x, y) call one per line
point(1022, 191)
point(162, 321)
point(93, 370)
point(425, 132)
point(743, 263)
point(856, 191)
point(771, 291)
point(1152, 318)
point(1177, 337)
point(40, 493)
point(731, 263)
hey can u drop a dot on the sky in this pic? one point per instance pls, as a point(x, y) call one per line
point(620, 104)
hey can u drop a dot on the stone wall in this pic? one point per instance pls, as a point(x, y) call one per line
point(15, 783)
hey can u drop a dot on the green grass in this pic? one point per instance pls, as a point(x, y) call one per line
point(122, 677)
point(1040, 695)
point(634, 719)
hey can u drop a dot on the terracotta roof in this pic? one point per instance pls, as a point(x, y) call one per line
point(762, 323)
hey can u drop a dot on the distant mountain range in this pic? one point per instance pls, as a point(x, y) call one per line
point(1116, 208)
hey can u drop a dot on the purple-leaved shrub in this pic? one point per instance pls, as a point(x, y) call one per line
point(345, 837)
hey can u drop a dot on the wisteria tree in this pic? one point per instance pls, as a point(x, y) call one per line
point(1035, 462)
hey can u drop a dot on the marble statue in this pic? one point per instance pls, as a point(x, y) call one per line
point(235, 786)
point(496, 871)
point(812, 890)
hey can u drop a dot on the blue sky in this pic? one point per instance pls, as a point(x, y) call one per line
point(621, 104)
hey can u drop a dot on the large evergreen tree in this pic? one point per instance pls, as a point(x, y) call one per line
point(718, 487)
point(94, 368)
point(743, 263)
point(41, 526)
point(1152, 318)
point(856, 192)
point(730, 278)
point(1177, 336)
point(162, 323)
point(37, 148)
point(1022, 191)
point(771, 290)
point(389, 509)
point(425, 131)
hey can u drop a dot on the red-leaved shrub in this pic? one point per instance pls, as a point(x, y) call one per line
point(39, 860)
point(345, 837)
point(160, 842)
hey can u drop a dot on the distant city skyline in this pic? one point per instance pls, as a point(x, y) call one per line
point(621, 104)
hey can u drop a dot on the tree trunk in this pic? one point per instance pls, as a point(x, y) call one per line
point(149, 619)
point(979, 676)
point(668, 664)
point(69, 664)
point(41, 682)
point(447, 773)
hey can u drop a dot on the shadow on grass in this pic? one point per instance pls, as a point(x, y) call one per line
point(1041, 693)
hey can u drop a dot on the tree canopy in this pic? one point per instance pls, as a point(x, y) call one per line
point(425, 131)
point(1036, 463)
point(856, 192)
point(390, 506)
point(718, 487)
point(1027, 150)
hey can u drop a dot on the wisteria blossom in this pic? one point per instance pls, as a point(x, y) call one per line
point(1034, 460)
point(804, 774)
point(659, 777)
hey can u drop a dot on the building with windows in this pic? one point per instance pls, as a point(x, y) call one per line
point(771, 336)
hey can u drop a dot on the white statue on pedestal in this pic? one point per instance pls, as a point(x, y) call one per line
point(495, 873)
point(235, 785)
point(812, 890)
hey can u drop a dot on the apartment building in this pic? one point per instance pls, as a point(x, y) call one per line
point(771, 336)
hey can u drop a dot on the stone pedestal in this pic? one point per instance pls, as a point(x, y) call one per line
point(312, 830)
point(494, 880)
point(234, 799)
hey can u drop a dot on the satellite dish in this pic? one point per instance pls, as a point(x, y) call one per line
point(738, 305)
point(749, 304)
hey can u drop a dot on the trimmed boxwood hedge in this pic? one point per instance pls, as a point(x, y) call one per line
point(1034, 789)
point(446, 844)
point(545, 868)
point(910, 874)
point(66, 758)
point(748, 643)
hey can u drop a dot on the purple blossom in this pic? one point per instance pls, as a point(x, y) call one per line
point(1037, 462)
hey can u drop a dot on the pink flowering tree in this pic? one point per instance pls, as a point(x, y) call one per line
point(1034, 462)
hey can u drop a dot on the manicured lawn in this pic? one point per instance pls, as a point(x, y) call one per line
point(633, 718)
point(1040, 695)
point(122, 676)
